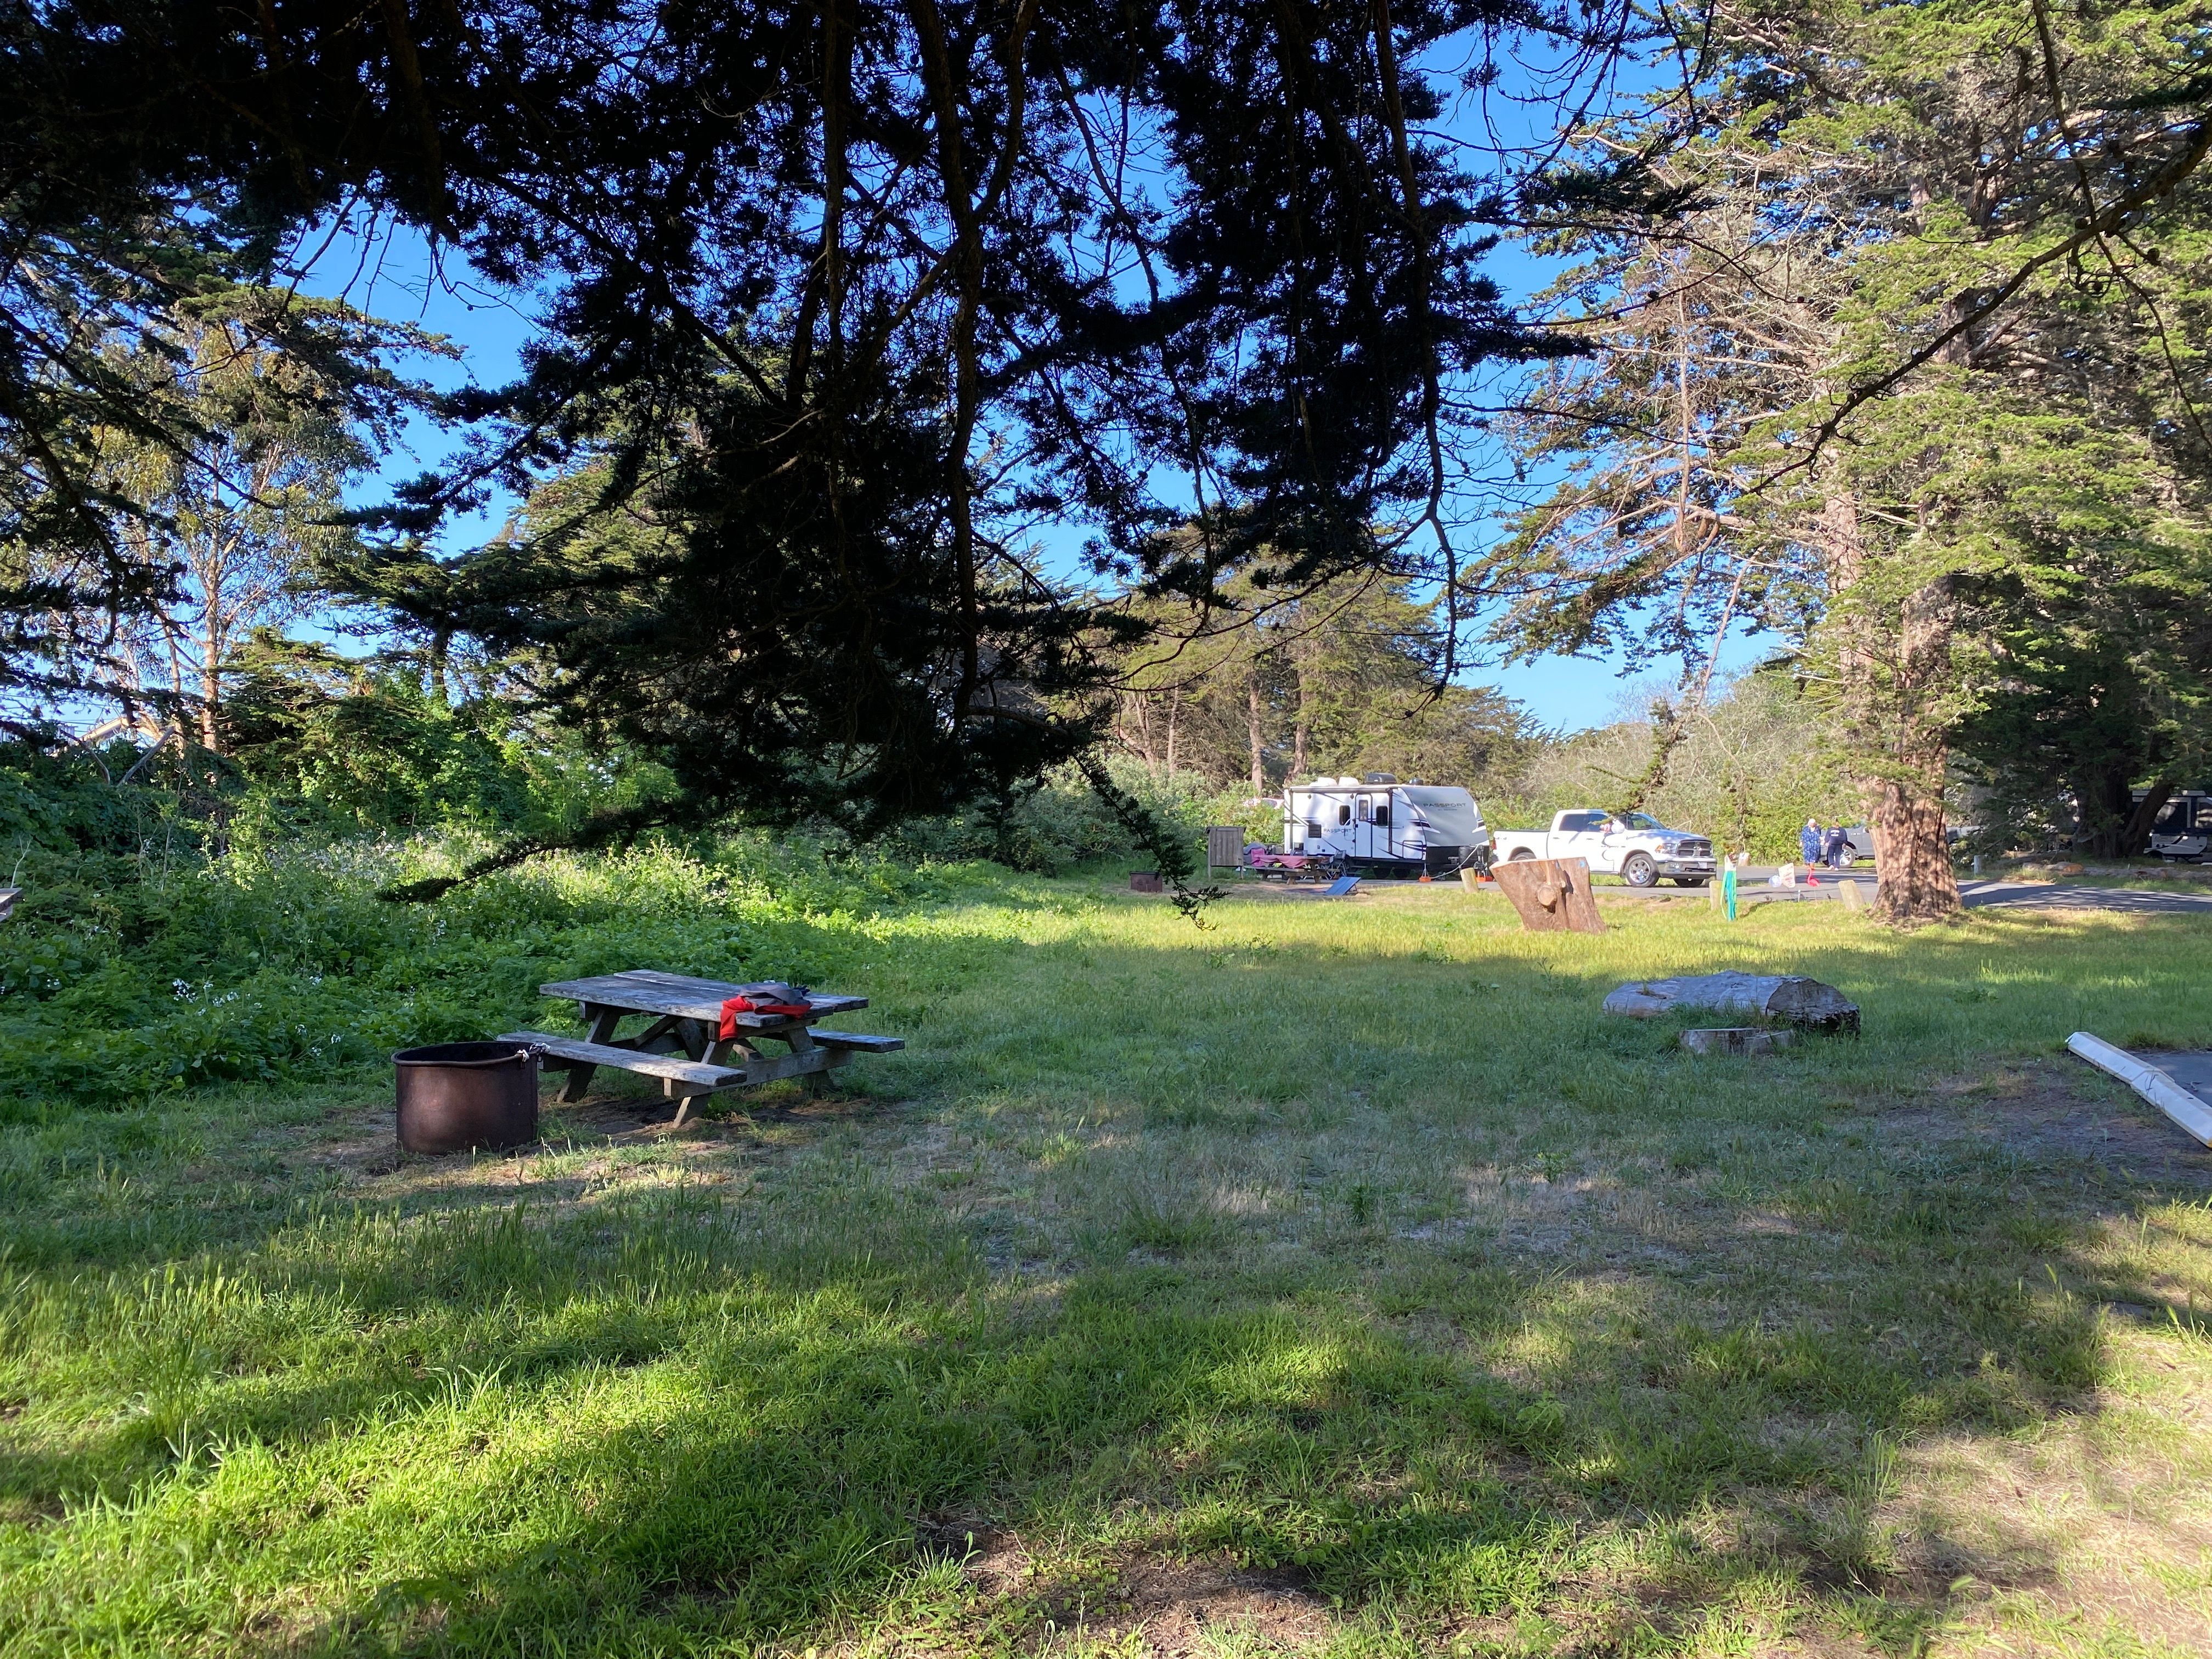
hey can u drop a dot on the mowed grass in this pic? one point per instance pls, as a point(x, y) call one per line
point(1335, 1281)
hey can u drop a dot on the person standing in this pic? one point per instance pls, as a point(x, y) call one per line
point(1809, 840)
point(1838, 848)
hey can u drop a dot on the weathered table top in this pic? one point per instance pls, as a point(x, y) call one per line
point(648, 991)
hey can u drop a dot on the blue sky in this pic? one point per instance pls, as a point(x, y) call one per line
point(391, 274)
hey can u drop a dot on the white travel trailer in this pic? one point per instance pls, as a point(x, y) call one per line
point(1379, 826)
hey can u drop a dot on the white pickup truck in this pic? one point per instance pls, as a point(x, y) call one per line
point(1634, 846)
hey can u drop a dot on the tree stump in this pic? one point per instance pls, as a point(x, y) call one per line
point(1551, 894)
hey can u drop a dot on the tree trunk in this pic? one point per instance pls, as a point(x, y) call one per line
point(210, 687)
point(2134, 835)
point(441, 646)
point(1896, 739)
point(1252, 731)
point(1298, 732)
point(2102, 805)
point(1912, 859)
point(1175, 718)
point(1137, 732)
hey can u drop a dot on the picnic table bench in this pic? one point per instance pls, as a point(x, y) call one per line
point(684, 1045)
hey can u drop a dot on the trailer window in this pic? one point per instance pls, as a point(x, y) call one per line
point(2172, 817)
point(1366, 810)
point(1382, 815)
point(1344, 811)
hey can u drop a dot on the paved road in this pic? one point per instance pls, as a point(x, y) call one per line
point(2018, 895)
point(2057, 896)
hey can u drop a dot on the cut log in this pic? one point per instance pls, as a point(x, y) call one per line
point(1551, 894)
point(1791, 997)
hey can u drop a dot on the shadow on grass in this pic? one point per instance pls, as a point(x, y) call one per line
point(679, 1415)
point(685, 1413)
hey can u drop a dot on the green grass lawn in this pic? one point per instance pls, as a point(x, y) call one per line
point(1335, 1281)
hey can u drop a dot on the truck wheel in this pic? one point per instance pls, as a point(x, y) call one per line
point(1638, 870)
point(1520, 855)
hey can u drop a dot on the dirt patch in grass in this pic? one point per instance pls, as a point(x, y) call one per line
point(2052, 1110)
point(1139, 1603)
point(1179, 1605)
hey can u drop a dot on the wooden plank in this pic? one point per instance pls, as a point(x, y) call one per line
point(629, 1059)
point(647, 992)
point(794, 1065)
point(861, 1040)
point(599, 1024)
point(718, 991)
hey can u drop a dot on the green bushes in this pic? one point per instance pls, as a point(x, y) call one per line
point(1063, 824)
point(169, 940)
point(123, 979)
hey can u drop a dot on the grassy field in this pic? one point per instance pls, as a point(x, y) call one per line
point(1337, 1281)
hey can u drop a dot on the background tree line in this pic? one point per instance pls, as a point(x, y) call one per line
point(1341, 679)
point(841, 297)
point(1901, 357)
point(1879, 330)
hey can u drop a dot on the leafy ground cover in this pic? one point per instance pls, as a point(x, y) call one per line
point(1336, 1280)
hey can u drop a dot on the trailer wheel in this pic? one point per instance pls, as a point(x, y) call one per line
point(1638, 870)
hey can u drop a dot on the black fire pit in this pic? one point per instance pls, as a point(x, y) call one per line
point(456, 1096)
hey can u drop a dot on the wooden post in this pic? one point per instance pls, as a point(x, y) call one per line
point(602, 1023)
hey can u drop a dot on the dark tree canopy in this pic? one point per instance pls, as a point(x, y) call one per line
point(845, 300)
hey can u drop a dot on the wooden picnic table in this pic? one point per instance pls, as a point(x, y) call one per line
point(683, 1045)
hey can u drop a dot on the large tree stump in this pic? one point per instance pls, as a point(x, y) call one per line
point(1552, 895)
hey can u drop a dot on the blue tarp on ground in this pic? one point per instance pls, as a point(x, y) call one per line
point(1340, 886)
